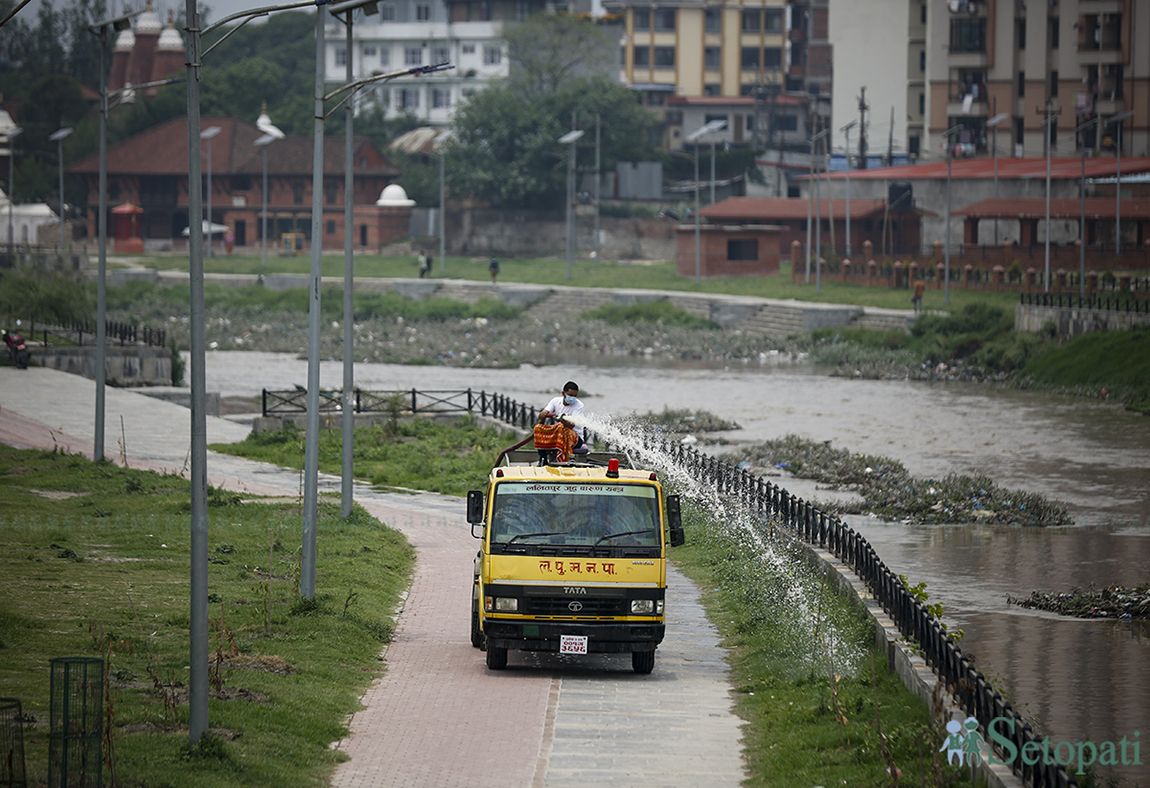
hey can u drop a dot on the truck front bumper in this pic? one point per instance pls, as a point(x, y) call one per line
point(602, 638)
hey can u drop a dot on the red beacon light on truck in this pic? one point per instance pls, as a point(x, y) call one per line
point(613, 469)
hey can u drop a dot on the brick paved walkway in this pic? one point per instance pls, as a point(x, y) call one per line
point(438, 717)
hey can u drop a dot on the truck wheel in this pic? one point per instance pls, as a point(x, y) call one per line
point(496, 657)
point(476, 634)
point(643, 662)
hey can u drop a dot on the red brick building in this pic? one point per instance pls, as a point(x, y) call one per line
point(150, 171)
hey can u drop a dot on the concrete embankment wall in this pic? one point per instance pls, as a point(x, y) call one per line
point(1073, 321)
point(123, 366)
point(767, 316)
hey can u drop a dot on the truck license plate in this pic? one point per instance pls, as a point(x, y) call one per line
point(572, 644)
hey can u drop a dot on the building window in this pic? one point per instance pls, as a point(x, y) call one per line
point(329, 194)
point(711, 20)
point(441, 98)
point(330, 227)
point(642, 18)
point(922, 60)
point(968, 35)
point(642, 57)
point(492, 56)
point(656, 98)
point(440, 54)
point(713, 118)
point(710, 90)
point(522, 10)
point(674, 117)
point(340, 56)
point(409, 98)
point(413, 56)
point(921, 103)
point(387, 12)
point(1021, 83)
point(773, 20)
point(423, 13)
point(664, 57)
point(468, 49)
point(383, 97)
point(665, 20)
point(297, 193)
point(369, 51)
point(1053, 83)
point(751, 59)
point(1020, 32)
point(385, 56)
point(712, 57)
point(750, 124)
point(922, 14)
point(772, 57)
point(1054, 33)
point(743, 250)
point(752, 21)
point(914, 145)
point(787, 122)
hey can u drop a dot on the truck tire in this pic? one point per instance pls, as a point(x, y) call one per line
point(643, 662)
point(496, 657)
point(476, 633)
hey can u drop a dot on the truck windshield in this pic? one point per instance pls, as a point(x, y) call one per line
point(587, 514)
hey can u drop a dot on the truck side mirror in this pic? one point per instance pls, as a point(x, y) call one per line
point(675, 521)
point(475, 510)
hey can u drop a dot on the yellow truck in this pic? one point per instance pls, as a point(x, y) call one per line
point(573, 559)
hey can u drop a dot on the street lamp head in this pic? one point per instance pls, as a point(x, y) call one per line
point(570, 136)
point(997, 119)
point(849, 126)
point(210, 132)
point(56, 136)
point(369, 7)
point(706, 128)
point(12, 133)
point(117, 23)
point(1121, 116)
point(266, 139)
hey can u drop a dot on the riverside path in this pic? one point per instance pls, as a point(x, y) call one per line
point(438, 717)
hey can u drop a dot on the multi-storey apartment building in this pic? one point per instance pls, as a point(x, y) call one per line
point(406, 33)
point(1074, 60)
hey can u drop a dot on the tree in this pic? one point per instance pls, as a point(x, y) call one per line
point(505, 148)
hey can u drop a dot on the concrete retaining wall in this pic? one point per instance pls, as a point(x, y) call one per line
point(1074, 321)
point(123, 366)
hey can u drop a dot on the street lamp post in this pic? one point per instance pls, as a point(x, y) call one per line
point(209, 134)
point(722, 124)
point(1051, 119)
point(846, 130)
point(1081, 129)
point(994, 123)
point(1117, 120)
point(13, 133)
point(946, 243)
point(100, 29)
point(58, 138)
point(569, 139)
point(812, 192)
point(441, 144)
point(694, 137)
point(263, 142)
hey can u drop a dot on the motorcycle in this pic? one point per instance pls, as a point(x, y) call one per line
point(17, 350)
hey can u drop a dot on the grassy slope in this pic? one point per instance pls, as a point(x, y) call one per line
point(1118, 361)
point(105, 571)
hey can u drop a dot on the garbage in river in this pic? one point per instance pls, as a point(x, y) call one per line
point(1116, 602)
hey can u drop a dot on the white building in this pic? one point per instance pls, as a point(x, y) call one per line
point(407, 33)
point(879, 45)
point(26, 222)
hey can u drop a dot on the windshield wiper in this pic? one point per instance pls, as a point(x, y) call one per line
point(623, 533)
point(538, 533)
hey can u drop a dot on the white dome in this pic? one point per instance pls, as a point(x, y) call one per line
point(170, 38)
point(126, 39)
point(393, 196)
point(149, 21)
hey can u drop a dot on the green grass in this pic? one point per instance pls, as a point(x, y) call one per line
point(1118, 361)
point(414, 453)
point(812, 688)
point(656, 312)
point(105, 572)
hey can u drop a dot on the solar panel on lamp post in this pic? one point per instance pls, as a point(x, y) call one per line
point(994, 123)
point(693, 137)
point(58, 138)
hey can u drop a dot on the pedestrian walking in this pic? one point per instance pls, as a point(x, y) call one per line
point(919, 289)
point(421, 261)
point(494, 269)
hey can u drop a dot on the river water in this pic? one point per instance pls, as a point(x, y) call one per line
point(1076, 679)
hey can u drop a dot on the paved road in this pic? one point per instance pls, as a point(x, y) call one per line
point(438, 717)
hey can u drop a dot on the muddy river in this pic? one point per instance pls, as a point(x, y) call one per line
point(1076, 679)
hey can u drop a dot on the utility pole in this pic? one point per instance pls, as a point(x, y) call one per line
point(863, 107)
point(890, 141)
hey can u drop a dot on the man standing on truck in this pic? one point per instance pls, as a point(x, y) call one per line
point(561, 408)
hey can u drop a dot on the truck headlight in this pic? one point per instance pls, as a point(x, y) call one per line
point(643, 606)
point(506, 604)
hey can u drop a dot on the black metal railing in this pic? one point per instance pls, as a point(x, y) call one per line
point(83, 333)
point(1125, 302)
point(772, 504)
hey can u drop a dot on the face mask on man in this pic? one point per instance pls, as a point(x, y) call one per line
point(568, 399)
